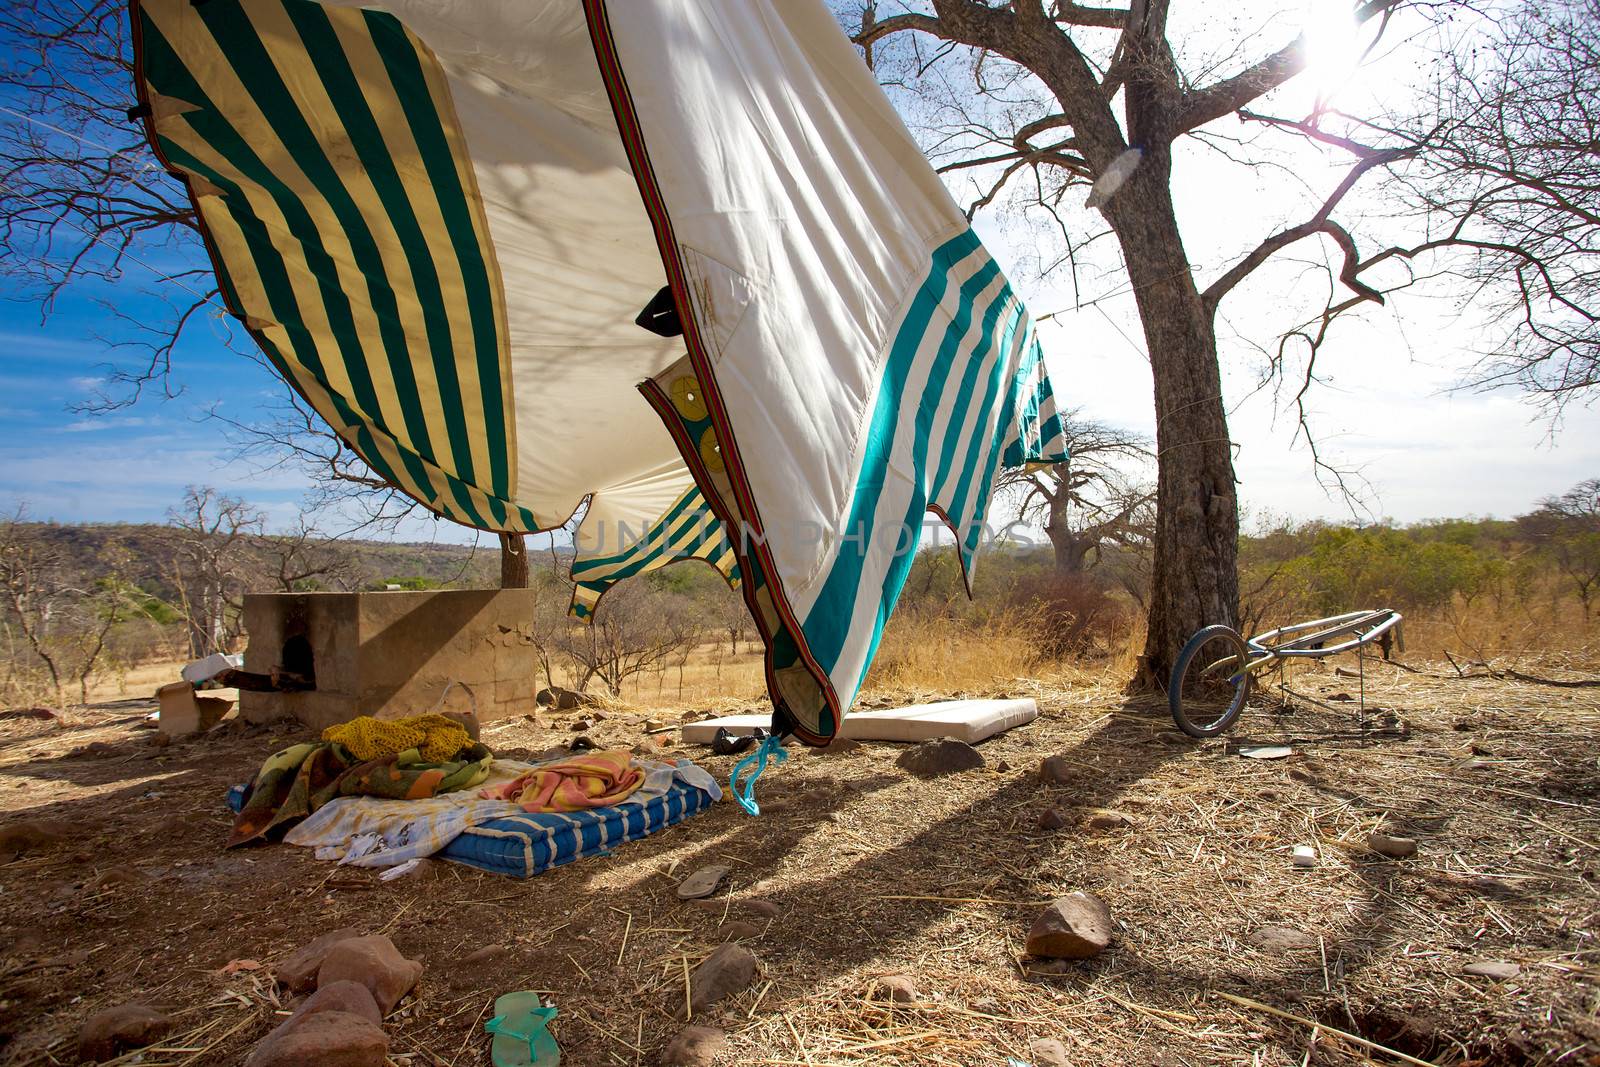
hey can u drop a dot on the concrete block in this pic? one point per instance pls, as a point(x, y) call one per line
point(184, 713)
point(393, 653)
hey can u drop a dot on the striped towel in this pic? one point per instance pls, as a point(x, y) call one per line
point(591, 780)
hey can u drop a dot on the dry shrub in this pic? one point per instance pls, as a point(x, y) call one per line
point(1071, 614)
point(933, 650)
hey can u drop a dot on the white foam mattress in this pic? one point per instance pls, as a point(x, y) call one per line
point(964, 720)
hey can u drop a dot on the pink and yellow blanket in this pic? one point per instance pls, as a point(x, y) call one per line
point(590, 780)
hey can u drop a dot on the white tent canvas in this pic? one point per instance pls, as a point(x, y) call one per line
point(676, 263)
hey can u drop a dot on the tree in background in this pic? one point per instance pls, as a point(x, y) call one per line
point(1090, 501)
point(631, 632)
point(1567, 529)
point(215, 534)
point(63, 624)
point(303, 558)
point(1044, 98)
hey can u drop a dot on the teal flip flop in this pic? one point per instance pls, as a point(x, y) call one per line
point(520, 1037)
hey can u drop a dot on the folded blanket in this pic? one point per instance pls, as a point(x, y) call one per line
point(590, 780)
point(300, 779)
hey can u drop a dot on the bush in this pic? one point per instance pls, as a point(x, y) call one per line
point(1070, 614)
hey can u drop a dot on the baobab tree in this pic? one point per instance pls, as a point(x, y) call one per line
point(1090, 501)
point(1055, 98)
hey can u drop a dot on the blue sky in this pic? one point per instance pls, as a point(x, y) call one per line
point(130, 464)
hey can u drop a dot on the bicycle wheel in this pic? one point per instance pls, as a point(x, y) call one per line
point(1209, 682)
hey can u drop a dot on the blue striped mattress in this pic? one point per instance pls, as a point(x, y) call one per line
point(529, 843)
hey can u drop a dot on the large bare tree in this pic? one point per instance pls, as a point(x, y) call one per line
point(1510, 182)
point(1038, 98)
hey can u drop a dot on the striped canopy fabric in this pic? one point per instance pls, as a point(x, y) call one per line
point(485, 239)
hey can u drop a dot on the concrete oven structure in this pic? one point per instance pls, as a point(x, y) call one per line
point(392, 654)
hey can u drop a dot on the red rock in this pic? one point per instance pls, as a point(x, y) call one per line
point(696, 1046)
point(324, 1038)
point(1052, 819)
point(352, 997)
point(726, 971)
point(1073, 927)
point(484, 954)
point(298, 972)
point(1055, 770)
point(106, 1034)
point(897, 988)
point(738, 930)
point(375, 963)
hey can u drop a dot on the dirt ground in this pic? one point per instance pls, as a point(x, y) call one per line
point(878, 873)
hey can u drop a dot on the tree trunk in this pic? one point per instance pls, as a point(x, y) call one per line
point(1070, 550)
point(1195, 578)
point(513, 561)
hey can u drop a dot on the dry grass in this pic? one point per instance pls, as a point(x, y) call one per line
point(934, 651)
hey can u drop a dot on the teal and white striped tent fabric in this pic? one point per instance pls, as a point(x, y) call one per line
point(485, 239)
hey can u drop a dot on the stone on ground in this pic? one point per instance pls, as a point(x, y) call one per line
point(1055, 770)
point(933, 758)
point(1499, 970)
point(1048, 1052)
point(375, 963)
point(1108, 819)
point(702, 883)
point(1397, 848)
point(696, 1046)
point(738, 930)
point(563, 699)
point(298, 972)
point(898, 988)
point(1052, 819)
point(106, 1034)
point(1073, 927)
point(347, 996)
point(1281, 939)
point(484, 954)
point(325, 1038)
point(726, 971)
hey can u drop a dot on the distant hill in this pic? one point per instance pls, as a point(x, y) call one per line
point(147, 554)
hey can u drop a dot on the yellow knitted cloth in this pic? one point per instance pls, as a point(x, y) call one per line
point(437, 737)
